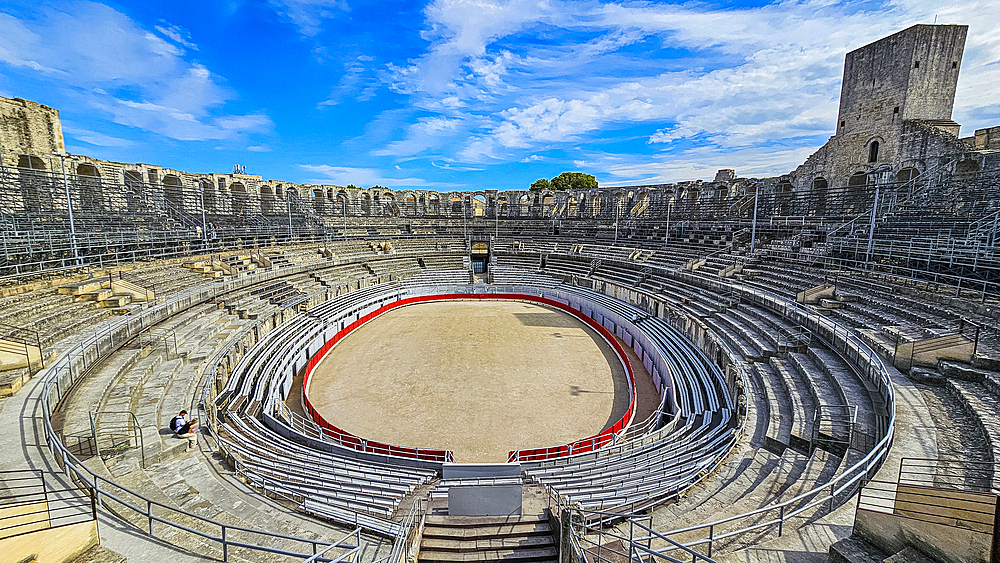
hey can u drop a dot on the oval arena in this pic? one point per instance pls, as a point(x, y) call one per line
point(748, 369)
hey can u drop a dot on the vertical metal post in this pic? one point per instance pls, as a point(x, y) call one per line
point(345, 216)
point(204, 225)
point(69, 208)
point(288, 207)
point(618, 213)
point(666, 234)
point(753, 230)
point(871, 226)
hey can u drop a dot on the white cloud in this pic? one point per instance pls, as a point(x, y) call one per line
point(93, 137)
point(735, 79)
point(308, 15)
point(343, 175)
point(112, 64)
point(176, 34)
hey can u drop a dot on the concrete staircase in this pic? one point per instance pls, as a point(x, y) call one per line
point(527, 538)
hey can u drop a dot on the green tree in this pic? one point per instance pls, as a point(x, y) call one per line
point(574, 181)
point(540, 184)
point(351, 187)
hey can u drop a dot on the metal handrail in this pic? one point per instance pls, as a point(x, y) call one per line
point(60, 377)
point(863, 469)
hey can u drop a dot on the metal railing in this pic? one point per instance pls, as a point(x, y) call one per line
point(30, 502)
point(869, 366)
point(59, 378)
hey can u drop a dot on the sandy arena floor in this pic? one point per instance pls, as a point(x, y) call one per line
point(478, 378)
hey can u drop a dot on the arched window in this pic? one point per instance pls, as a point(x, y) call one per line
point(873, 152)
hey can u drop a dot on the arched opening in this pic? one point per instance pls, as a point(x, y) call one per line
point(548, 205)
point(524, 205)
point(478, 206)
point(503, 206)
point(36, 185)
point(88, 182)
point(907, 174)
point(435, 204)
point(571, 206)
point(856, 192)
point(388, 205)
point(456, 204)
point(410, 203)
point(366, 203)
point(173, 191)
point(208, 195)
point(595, 206)
point(266, 200)
point(641, 207)
point(620, 203)
point(318, 201)
point(693, 195)
point(818, 196)
point(967, 166)
point(873, 151)
point(342, 202)
point(238, 198)
point(783, 202)
point(133, 190)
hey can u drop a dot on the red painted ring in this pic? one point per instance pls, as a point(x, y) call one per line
point(580, 446)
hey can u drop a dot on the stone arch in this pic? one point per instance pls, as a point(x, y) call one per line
point(410, 203)
point(783, 197)
point(35, 183)
point(343, 202)
point(907, 174)
point(434, 200)
point(134, 185)
point(173, 191)
point(88, 183)
point(873, 151)
point(523, 205)
point(208, 194)
point(572, 208)
point(621, 201)
point(818, 196)
point(366, 203)
point(266, 199)
point(318, 201)
point(857, 189)
point(595, 206)
point(238, 198)
point(967, 166)
point(478, 202)
point(456, 204)
point(640, 207)
point(503, 206)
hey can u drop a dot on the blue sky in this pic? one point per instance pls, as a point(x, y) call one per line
point(463, 94)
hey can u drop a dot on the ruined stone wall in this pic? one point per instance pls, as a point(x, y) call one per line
point(29, 128)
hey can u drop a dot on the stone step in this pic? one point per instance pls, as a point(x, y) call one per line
point(473, 521)
point(487, 531)
point(438, 544)
point(547, 554)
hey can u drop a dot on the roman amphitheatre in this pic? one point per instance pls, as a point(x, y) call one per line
point(796, 368)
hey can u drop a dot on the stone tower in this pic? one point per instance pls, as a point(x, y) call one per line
point(895, 111)
point(908, 75)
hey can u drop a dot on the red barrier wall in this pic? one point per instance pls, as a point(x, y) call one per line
point(350, 440)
